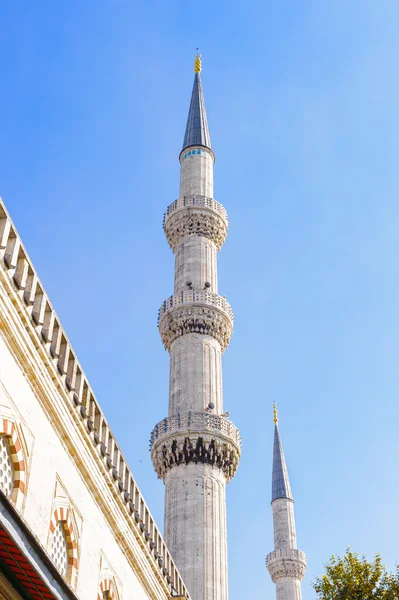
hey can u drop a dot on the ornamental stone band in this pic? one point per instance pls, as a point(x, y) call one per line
point(198, 438)
point(197, 215)
point(286, 563)
point(196, 312)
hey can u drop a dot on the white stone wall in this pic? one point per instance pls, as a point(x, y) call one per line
point(195, 374)
point(196, 175)
point(52, 471)
point(195, 528)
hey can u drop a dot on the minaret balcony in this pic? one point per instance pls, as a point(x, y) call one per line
point(197, 437)
point(196, 312)
point(195, 215)
point(288, 562)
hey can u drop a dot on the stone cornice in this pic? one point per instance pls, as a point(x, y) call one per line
point(196, 312)
point(196, 219)
point(195, 202)
point(286, 563)
point(196, 437)
point(199, 422)
point(39, 344)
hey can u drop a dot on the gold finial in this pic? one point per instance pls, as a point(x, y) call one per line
point(197, 62)
point(275, 414)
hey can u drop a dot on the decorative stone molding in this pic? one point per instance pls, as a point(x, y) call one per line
point(195, 215)
point(64, 514)
point(199, 422)
point(110, 586)
point(198, 298)
point(196, 201)
point(9, 430)
point(198, 438)
point(107, 585)
point(286, 563)
point(196, 312)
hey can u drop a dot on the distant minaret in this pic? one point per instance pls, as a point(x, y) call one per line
point(286, 564)
point(196, 449)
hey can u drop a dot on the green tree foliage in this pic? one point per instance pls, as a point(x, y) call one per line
point(354, 578)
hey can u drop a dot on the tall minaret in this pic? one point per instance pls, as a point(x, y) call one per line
point(286, 564)
point(196, 449)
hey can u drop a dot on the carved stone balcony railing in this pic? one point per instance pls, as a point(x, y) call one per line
point(197, 298)
point(196, 421)
point(286, 563)
point(196, 312)
point(195, 437)
point(195, 215)
point(196, 201)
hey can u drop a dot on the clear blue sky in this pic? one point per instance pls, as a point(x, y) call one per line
point(302, 101)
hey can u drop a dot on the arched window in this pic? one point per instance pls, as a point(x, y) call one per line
point(59, 549)
point(12, 463)
point(108, 590)
point(6, 467)
point(63, 545)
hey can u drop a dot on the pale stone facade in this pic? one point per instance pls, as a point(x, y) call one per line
point(71, 485)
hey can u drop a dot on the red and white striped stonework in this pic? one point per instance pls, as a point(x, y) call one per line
point(9, 429)
point(63, 514)
point(107, 585)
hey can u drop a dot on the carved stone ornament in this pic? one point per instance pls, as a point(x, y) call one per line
point(195, 437)
point(286, 563)
point(196, 312)
point(183, 448)
point(197, 215)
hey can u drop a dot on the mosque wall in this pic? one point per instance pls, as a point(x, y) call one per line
point(60, 465)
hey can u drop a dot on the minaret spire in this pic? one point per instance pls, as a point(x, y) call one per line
point(196, 449)
point(287, 564)
point(197, 130)
point(280, 481)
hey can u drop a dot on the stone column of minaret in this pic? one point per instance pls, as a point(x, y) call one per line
point(196, 449)
point(287, 564)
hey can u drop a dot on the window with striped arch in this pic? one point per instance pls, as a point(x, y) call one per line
point(6, 467)
point(59, 549)
point(62, 543)
point(108, 589)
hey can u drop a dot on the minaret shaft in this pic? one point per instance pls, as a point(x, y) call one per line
point(288, 588)
point(195, 449)
point(196, 176)
point(284, 524)
point(196, 263)
point(195, 374)
point(195, 495)
point(195, 528)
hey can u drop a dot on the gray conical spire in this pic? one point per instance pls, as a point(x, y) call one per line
point(280, 481)
point(197, 131)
